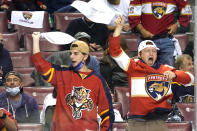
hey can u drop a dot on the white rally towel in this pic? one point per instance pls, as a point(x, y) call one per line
point(96, 12)
point(58, 38)
point(32, 19)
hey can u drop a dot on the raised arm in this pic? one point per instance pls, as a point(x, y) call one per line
point(36, 45)
point(119, 23)
point(115, 50)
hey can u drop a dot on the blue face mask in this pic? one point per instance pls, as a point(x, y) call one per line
point(79, 66)
point(12, 91)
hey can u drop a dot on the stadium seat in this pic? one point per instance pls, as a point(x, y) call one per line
point(182, 126)
point(30, 127)
point(183, 40)
point(44, 44)
point(23, 30)
point(119, 126)
point(3, 22)
point(24, 70)
point(21, 59)
point(187, 110)
point(27, 80)
point(122, 96)
point(132, 41)
point(98, 54)
point(39, 93)
point(62, 20)
point(11, 41)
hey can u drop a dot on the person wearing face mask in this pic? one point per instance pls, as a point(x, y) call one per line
point(150, 96)
point(5, 61)
point(81, 92)
point(23, 107)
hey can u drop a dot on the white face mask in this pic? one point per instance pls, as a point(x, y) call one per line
point(12, 91)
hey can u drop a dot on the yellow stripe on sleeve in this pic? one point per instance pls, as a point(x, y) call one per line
point(106, 118)
point(49, 71)
point(52, 71)
point(103, 112)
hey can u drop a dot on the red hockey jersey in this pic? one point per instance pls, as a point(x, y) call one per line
point(157, 15)
point(79, 98)
point(149, 89)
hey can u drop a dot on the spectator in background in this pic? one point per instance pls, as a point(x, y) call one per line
point(69, 8)
point(99, 32)
point(53, 5)
point(63, 58)
point(5, 61)
point(112, 73)
point(149, 83)
point(184, 93)
point(120, 7)
point(25, 5)
point(7, 121)
point(155, 20)
point(23, 107)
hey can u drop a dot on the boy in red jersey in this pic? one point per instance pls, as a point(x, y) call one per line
point(81, 92)
point(149, 83)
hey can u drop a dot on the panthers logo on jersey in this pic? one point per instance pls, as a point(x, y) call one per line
point(159, 9)
point(79, 100)
point(157, 86)
point(27, 15)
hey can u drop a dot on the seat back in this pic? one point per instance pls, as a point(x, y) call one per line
point(122, 96)
point(182, 126)
point(11, 41)
point(119, 126)
point(98, 54)
point(3, 22)
point(187, 110)
point(132, 41)
point(23, 30)
point(183, 40)
point(62, 20)
point(30, 127)
point(39, 93)
point(44, 44)
point(21, 59)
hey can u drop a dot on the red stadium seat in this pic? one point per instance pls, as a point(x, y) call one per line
point(30, 127)
point(98, 54)
point(183, 40)
point(23, 30)
point(24, 70)
point(132, 41)
point(27, 80)
point(39, 93)
point(187, 110)
point(3, 22)
point(182, 126)
point(44, 44)
point(62, 20)
point(11, 41)
point(119, 126)
point(122, 96)
point(21, 59)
